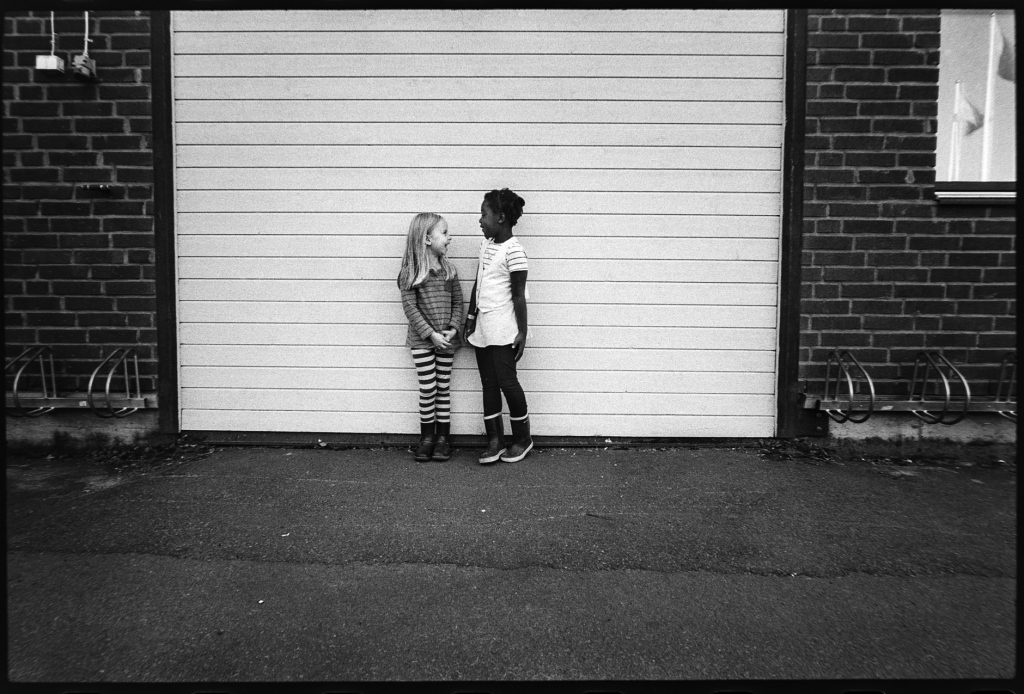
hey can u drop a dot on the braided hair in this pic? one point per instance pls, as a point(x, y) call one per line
point(506, 202)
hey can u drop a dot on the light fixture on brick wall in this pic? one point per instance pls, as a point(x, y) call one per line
point(82, 65)
point(53, 61)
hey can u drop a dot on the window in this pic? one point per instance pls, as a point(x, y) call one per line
point(977, 119)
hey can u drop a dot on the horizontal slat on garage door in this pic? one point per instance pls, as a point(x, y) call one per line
point(479, 111)
point(562, 358)
point(403, 380)
point(682, 157)
point(261, 39)
point(729, 22)
point(647, 144)
point(736, 293)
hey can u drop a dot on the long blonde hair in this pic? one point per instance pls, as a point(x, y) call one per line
point(416, 261)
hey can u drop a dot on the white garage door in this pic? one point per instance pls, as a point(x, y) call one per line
point(647, 145)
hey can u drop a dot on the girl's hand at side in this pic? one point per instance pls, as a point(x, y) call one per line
point(519, 345)
point(450, 334)
point(440, 341)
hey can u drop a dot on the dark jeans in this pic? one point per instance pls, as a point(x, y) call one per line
point(497, 366)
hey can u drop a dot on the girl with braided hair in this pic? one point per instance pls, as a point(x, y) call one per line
point(496, 325)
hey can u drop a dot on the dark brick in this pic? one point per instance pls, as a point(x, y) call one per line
point(988, 243)
point(919, 291)
point(955, 274)
point(66, 336)
point(905, 209)
point(128, 224)
point(112, 336)
point(23, 240)
point(35, 303)
point(871, 92)
point(995, 226)
point(843, 57)
point(140, 125)
point(902, 274)
point(867, 291)
point(89, 303)
point(34, 109)
point(87, 108)
point(130, 42)
point(852, 210)
point(63, 272)
point(866, 143)
point(120, 159)
point(75, 241)
point(888, 40)
point(913, 74)
point(102, 320)
point(116, 142)
point(135, 176)
point(115, 272)
point(884, 57)
point(119, 288)
point(836, 322)
point(118, 208)
point(874, 176)
point(846, 339)
point(995, 291)
point(974, 259)
point(77, 288)
point(833, 273)
point(133, 241)
point(967, 323)
point(890, 242)
point(844, 125)
point(898, 339)
point(832, 242)
point(123, 92)
point(146, 304)
point(73, 158)
point(876, 323)
point(915, 159)
point(998, 340)
point(49, 320)
point(64, 209)
point(63, 142)
point(983, 308)
point(125, 25)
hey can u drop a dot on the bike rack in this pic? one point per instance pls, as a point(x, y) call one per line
point(1006, 387)
point(117, 358)
point(923, 365)
point(938, 391)
point(103, 404)
point(43, 356)
point(838, 414)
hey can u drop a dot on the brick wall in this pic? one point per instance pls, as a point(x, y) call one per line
point(78, 194)
point(887, 271)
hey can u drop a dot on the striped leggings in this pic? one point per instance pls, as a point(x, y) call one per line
point(434, 371)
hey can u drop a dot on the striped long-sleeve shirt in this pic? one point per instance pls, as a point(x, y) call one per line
point(433, 306)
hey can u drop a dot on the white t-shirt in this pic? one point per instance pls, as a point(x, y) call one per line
point(496, 317)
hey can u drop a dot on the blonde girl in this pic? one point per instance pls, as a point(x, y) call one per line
point(432, 301)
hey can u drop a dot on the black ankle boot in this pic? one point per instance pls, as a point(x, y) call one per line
point(443, 447)
point(426, 447)
point(522, 442)
point(495, 440)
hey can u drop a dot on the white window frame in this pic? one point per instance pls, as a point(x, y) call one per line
point(983, 127)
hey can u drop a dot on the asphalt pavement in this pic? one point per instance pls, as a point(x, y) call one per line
point(595, 565)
